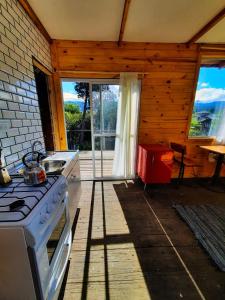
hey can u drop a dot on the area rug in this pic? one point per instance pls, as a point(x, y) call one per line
point(208, 224)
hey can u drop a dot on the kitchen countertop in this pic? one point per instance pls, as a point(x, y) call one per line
point(67, 156)
point(63, 155)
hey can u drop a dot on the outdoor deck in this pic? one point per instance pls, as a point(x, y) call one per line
point(86, 164)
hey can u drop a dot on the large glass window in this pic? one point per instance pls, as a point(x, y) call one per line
point(209, 105)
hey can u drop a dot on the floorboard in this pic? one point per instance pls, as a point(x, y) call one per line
point(121, 252)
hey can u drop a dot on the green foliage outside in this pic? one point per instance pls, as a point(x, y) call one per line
point(196, 128)
point(72, 116)
point(206, 123)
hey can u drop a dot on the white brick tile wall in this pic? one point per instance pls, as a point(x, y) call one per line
point(27, 145)
point(20, 139)
point(3, 104)
point(8, 142)
point(24, 107)
point(16, 123)
point(4, 76)
point(4, 49)
point(17, 98)
point(13, 106)
point(7, 114)
point(14, 81)
point(9, 87)
point(20, 40)
point(5, 95)
point(26, 122)
point(2, 30)
point(16, 148)
point(20, 114)
point(6, 68)
point(23, 130)
point(11, 158)
point(13, 132)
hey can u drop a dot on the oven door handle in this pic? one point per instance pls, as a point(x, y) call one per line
point(67, 248)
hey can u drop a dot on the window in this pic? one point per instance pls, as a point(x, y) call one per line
point(209, 106)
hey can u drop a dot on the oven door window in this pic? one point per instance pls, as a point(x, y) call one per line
point(55, 236)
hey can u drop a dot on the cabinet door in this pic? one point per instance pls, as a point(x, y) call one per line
point(74, 190)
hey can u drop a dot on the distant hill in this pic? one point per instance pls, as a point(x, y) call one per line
point(209, 106)
point(79, 103)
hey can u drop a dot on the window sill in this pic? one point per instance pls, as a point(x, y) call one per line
point(209, 139)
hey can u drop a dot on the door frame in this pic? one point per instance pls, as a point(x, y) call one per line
point(52, 100)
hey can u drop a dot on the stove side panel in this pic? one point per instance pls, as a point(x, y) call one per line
point(16, 278)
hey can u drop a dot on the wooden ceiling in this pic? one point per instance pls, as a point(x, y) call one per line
point(175, 21)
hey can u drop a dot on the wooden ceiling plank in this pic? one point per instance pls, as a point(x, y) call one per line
point(207, 27)
point(28, 9)
point(124, 20)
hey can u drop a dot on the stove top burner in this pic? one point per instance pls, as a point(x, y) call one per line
point(18, 199)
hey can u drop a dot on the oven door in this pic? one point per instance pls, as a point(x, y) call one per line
point(53, 254)
point(59, 269)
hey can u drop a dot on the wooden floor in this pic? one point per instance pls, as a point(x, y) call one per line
point(86, 168)
point(131, 245)
point(86, 164)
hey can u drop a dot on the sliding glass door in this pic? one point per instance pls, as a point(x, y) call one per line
point(90, 108)
point(104, 118)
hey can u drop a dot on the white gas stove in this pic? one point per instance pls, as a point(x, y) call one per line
point(35, 238)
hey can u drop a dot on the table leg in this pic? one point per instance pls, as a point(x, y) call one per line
point(218, 167)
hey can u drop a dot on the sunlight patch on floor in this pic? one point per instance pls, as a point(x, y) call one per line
point(104, 263)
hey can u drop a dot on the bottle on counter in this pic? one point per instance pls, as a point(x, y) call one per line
point(4, 175)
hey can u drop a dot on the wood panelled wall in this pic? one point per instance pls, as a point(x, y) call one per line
point(168, 73)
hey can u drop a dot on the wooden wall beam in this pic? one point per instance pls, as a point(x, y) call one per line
point(29, 10)
point(59, 113)
point(212, 46)
point(207, 27)
point(124, 20)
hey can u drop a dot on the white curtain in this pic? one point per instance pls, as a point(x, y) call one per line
point(126, 128)
point(217, 128)
point(220, 132)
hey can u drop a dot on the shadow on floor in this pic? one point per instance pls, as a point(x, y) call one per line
point(164, 275)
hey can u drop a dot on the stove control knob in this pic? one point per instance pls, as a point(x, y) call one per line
point(44, 218)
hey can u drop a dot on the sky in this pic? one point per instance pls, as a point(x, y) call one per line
point(211, 85)
point(69, 94)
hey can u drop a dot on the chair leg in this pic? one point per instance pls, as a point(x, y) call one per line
point(182, 174)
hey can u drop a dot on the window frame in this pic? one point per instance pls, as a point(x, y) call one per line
point(207, 54)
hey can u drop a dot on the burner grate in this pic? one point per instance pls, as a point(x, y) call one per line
point(18, 199)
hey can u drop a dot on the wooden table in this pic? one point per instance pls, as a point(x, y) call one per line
point(220, 150)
